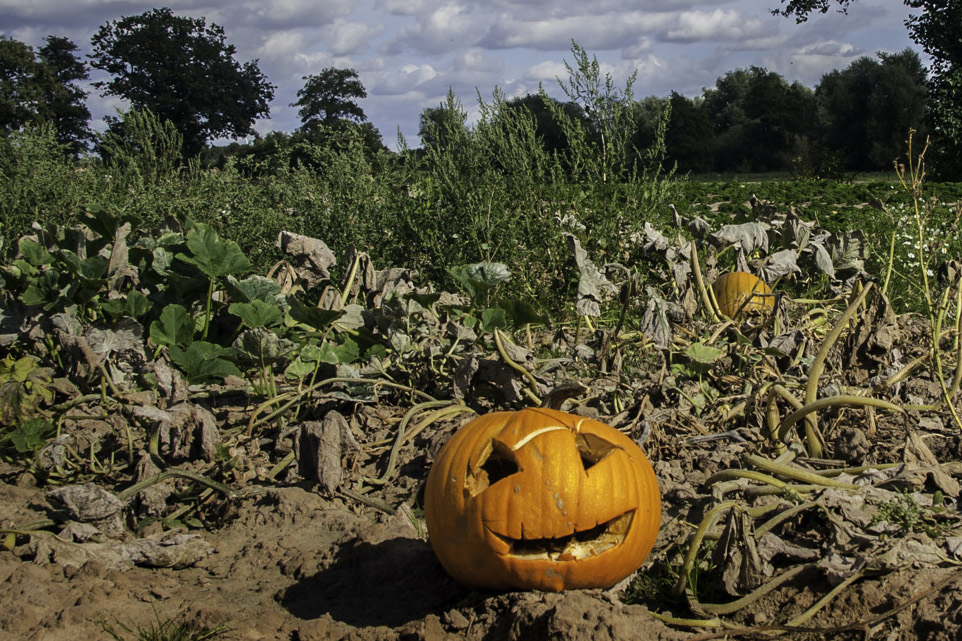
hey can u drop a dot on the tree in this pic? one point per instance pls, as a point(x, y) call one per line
point(759, 120)
point(63, 99)
point(801, 9)
point(40, 86)
point(184, 71)
point(866, 110)
point(842, 97)
point(896, 105)
point(688, 137)
point(329, 97)
point(330, 115)
point(936, 30)
point(19, 94)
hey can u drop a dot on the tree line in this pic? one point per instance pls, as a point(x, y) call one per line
point(184, 71)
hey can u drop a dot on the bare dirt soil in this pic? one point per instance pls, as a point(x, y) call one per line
point(291, 563)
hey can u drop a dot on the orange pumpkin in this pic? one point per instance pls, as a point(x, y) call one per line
point(541, 500)
point(742, 294)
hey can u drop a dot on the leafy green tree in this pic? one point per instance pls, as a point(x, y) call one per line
point(936, 30)
point(19, 94)
point(866, 110)
point(183, 70)
point(800, 9)
point(689, 135)
point(759, 119)
point(63, 98)
point(842, 97)
point(329, 97)
point(330, 115)
point(897, 104)
point(41, 86)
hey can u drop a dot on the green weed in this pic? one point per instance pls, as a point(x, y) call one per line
point(175, 628)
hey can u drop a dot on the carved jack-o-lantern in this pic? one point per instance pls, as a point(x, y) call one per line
point(541, 499)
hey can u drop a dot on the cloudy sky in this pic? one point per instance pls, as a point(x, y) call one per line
point(409, 52)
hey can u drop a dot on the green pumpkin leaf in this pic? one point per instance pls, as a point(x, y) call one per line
point(93, 268)
point(493, 318)
point(314, 317)
point(254, 288)
point(377, 351)
point(44, 290)
point(478, 278)
point(348, 351)
point(203, 362)
point(134, 304)
point(34, 253)
point(262, 346)
point(257, 313)
point(21, 268)
point(299, 369)
point(521, 312)
point(213, 255)
point(175, 327)
point(32, 434)
point(328, 354)
point(703, 354)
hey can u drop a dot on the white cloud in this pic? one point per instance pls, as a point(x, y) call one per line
point(692, 26)
point(599, 32)
point(546, 71)
point(282, 44)
point(407, 78)
point(810, 63)
point(406, 7)
point(292, 13)
point(446, 28)
point(346, 38)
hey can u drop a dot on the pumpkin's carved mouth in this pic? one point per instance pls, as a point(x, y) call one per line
point(573, 547)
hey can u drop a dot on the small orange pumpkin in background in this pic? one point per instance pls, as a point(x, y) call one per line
point(742, 294)
point(541, 500)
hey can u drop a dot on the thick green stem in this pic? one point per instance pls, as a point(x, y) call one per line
point(812, 441)
point(831, 401)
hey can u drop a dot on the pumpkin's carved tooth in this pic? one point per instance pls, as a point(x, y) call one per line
point(575, 546)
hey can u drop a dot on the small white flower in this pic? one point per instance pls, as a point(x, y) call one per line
point(930, 272)
point(911, 254)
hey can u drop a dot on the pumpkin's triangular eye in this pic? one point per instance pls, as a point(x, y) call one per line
point(500, 464)
point(497, 462)
point(592, 449)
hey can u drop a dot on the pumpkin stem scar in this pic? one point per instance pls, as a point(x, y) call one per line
point(517, 446)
